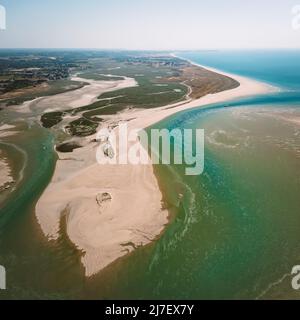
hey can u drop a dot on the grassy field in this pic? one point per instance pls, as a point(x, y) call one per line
point(82, 127)
point(50, 119)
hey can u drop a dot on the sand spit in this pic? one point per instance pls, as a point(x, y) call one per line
point(113, 209)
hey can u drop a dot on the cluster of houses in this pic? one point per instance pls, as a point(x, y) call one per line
point(16, 78)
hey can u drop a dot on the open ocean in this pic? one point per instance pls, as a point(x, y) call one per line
point(234, 231)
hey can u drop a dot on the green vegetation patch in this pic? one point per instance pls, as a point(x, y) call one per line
point(51, 119)
point(82, 127)
point(68, 147)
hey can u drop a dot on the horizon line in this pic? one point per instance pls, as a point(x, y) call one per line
point(143, 50)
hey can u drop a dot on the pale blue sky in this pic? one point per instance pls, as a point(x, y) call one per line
point(149, 24)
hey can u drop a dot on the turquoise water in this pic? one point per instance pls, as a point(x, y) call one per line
point(278, 67)
point(239, 227)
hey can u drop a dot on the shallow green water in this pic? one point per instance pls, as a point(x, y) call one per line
point(239, 233)
point(34, 266)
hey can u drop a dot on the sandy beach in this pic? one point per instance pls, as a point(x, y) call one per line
point(112, 209)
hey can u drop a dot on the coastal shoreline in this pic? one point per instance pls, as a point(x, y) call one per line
point(113, 209)
point(228, 74)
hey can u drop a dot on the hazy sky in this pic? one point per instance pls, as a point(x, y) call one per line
point(149, 24)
